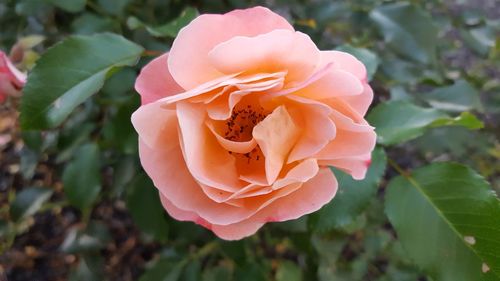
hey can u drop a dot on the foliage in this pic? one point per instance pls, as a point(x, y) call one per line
point(78, 184)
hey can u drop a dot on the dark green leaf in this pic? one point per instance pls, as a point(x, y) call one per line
point(115, 7)
point(164, 270)
point(465, 119)
point(68, 73)
point(288, 271)
point(458, 97)
point(448, 220)
point(91, 239)
point(400, 121)
point(250, 272)
point(82, 177)
point(367, 57)
point(217, 273)
point(408, 30)
point(28, 202)
point(352, 197)
point(89, 23)
point(169, 29)
point(144, 204)
point(90, 268)
point(72, 6)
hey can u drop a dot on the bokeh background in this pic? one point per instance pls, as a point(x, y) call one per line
point(76, 205)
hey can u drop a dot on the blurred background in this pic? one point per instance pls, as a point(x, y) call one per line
point(76, 205)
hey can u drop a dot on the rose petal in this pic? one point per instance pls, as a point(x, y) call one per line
point(362, 102)
point(188, 60)
point(335, 83)
point(346, 62)
point(161, 133)
point(355, 166)
point(206, 159)
point(233, 146)
point(303, 172)
point(276, 135)
point(15, 76)
point(155, 82)
point(228, 232)
point(278, 50)
point(318, 128)
point(310, 197)
point(348, 144)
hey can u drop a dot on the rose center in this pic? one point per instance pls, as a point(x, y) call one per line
point(243, 119)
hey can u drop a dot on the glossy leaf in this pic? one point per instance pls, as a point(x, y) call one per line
point(352, 197)
point(82, 177)
point(169, 29)
point(448, 220)
point(72, 6)
point(28, 202)
point(399, 121)
point(145, 207)
point(458, 97)
point(408, 30)
point(70, 72)
point(91, 239)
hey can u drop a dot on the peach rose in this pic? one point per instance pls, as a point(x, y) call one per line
point(11, 79)
point(241, 119)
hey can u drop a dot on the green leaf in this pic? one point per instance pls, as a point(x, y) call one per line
point(28, 202)
point(118, 131)
point(92, 239)
point(288, 271)
point(352, 197)
point(408, 30)
point(70, 72)
point(150, 216)
point(89, 23)
point(367, 57)
point(465, 119)
point(217, 273)
point(448, 221)
point(169, 29)
point(399, 121)
point(90, 268)
point(164, 270)
point(458, 97)
point(82, 177)
point(115, 7)
point(72, 6)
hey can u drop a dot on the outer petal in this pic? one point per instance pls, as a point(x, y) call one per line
point(346, 62)
point(155, 82)
point(15, 76)
point(170, 175)
point(348, 144)
point(307, 199)
point(278, 50)
point(188, 60)
point(362, 102)
point(355, 166)
point(335, 83)
point(162, 132)
point(234, 231)
point(238, 230)
point(6, 87)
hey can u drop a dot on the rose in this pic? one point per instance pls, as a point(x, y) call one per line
point(240, 121)
point(11, 79)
